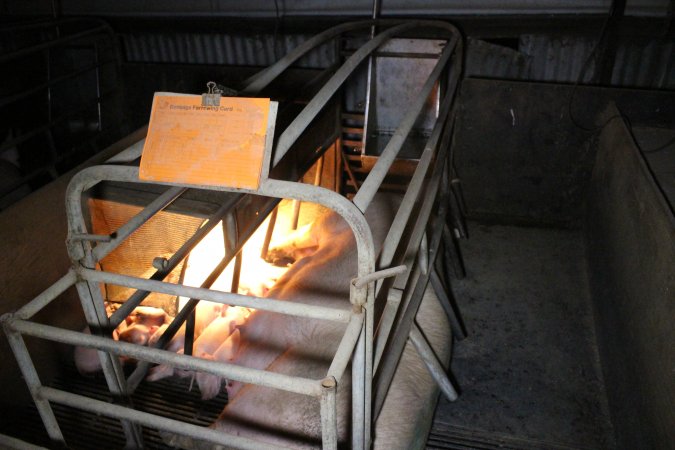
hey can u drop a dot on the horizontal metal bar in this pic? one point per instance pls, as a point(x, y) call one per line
point(47, 296)
point(37, 88)
point(288, 383)
point(151, 420)
point(229, 298)
point(380, 274)
point(346, 347)
point(55, 43)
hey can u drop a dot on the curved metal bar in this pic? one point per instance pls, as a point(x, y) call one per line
point(300, 123)
point(270, 188)
point(258, 81)
point(309, 112)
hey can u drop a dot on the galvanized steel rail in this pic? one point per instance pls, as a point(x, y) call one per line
point(357, 343)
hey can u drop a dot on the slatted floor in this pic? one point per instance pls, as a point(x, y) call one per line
point(170, 398)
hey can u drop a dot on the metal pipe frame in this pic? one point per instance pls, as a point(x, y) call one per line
point(357, 341)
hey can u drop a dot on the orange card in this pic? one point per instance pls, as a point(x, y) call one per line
point(188, 143)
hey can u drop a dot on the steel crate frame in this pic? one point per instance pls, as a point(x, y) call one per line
point(410, 267)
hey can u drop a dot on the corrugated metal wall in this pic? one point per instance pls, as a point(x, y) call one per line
point(645, 64)
point(362, 8)
point(560, 59)
point(225, 49)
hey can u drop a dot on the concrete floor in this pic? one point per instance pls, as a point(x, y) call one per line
point(529, 371)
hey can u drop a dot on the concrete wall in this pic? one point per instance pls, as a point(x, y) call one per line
point(631, 250)
point(33, 246)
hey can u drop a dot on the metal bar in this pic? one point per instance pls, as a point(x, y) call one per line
point(236, 273)
point(431, 361)
point(32, 379)
point(39, 129)
point(269, 233)
point(189, 335)
point(137, 297)
point(151, 420)
point(300, 123)
point(37, 88)
point(260, 80)
point(394, 297)
point(123, 232)
point(94, 311)
point(411, 196)
point(229, 298)
point(347, 345)
point(18, 444)
point(376, 176)
point(329, 438)
point(47, 296)
point(186, 314)
point(456, 324)
point(24, 51)
point(275, 380)
point(423, 255)
point(296, 214)
point(380, 274)
point(129, 154)
point(395, 347)
point(358, 392)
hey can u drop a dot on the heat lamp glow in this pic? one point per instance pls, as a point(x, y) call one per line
point(256, 278)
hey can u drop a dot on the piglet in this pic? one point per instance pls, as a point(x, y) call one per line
point(209, 385)
point(206, 344)
point(87, 361)
point(147, 315)
point(138, 333)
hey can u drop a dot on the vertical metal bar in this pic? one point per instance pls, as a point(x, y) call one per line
point(32, 379)
point(236, 273)
point(423, 255)
point(98, 87)
point(358, 392)
point(394, 297)
point(94, 312)
point(431, 361)
point(329, 436)
point(368, 388)
point(319, 171)
point(188, 344)
point(269, 233)
point(296, 214)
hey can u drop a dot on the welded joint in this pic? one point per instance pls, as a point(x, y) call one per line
point(6, 321)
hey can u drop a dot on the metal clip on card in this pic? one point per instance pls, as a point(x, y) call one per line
point(212, 97)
